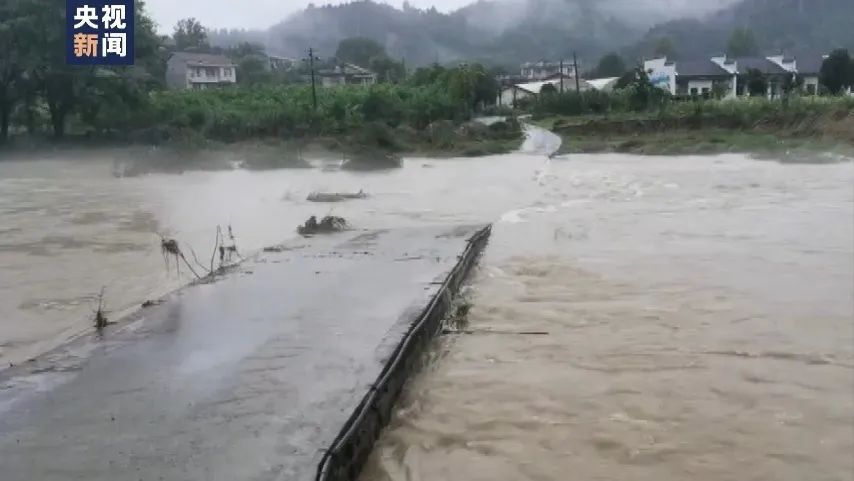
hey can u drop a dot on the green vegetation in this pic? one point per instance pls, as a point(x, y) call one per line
point(742, 43)
point(799, 124)
point(837, 71)
point(611, 65)
point(40, 94)
point(367, 53)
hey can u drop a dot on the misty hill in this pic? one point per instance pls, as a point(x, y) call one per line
point(777, 25)
point(509, 32)
point(501, 32)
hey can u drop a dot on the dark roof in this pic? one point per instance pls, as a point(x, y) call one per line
point(700, 68)
point(347, 69)
point(759, 63)
point(810, 63)
point(202, 59)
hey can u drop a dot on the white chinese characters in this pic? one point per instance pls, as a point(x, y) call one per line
point(101, 32)
point(114, 43)
point(114, 17)
point(86, 15)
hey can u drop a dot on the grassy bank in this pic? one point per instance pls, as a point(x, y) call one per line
point(374, 145)
point(757, 126)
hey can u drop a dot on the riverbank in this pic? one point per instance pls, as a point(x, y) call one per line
point(763, 128)
point(371, 146)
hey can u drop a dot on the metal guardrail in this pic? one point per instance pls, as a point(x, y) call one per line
point(344, 459)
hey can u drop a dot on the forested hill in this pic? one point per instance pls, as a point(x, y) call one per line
point(776, 25)
point(509, 32)
point(497, 32)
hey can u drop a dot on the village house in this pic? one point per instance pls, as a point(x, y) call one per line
point(278, 63)
point(188, 70)
point(806, 66)
point(727, 77)
point(544, 70)
point(513, 93)
point(346, 74)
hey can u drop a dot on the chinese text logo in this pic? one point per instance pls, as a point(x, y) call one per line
point(99, 32)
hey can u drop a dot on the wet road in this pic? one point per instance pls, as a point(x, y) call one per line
point(245, 378)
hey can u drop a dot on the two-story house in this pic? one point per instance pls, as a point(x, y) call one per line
point(346, 74)
point(543, 70)
point(188, 70)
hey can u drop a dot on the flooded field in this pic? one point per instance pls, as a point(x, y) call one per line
point(634, 318)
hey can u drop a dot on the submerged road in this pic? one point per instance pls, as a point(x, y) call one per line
point(245, 378)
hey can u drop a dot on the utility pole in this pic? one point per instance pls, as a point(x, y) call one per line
point(311, 58)
point(575, 65)
point(561, 74)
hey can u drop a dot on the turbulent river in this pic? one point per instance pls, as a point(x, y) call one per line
point(635, 318)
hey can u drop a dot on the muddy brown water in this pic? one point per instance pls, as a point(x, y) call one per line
point(698, 311)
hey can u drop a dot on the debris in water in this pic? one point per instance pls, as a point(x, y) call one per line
point(335, 196)
point(100, 316)
point(327, 225)
point(169, 247)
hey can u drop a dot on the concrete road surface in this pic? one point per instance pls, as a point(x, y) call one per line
point(245, 378)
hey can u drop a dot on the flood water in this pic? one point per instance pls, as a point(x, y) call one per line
point(633, 318)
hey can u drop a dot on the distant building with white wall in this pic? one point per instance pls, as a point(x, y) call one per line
point(188, 70)
point(542, 70)
point(722, 75)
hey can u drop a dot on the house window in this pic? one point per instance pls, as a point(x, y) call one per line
point(694, 91)
point(226, 71)
point(811, 89)
point(706, 90)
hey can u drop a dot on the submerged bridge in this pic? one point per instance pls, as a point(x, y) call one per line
point(285, 369)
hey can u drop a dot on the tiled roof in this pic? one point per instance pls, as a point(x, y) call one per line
point(700, 68)
point(203, 59)
point(759, 63)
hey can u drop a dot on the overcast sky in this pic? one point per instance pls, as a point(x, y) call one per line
point(251, 13)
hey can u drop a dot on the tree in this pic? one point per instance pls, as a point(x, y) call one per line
point(359, 51)
point(10, 65)
point(837, 71)
point(548, 89)
point(190, 34)
point(387, 70)
point(757, 83)
point(252, 70)
point(642, 93)
point(610, 65)
point(791, 84)
point(742, 43)
point(664, 48)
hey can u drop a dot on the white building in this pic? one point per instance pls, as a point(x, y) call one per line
point(543, 70)
point(511, 95)
point(186, 70)
point(729, 75)
point(346, 74)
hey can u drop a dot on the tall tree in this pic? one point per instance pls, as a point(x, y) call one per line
point(742, 43)
point(359, 51)
point(757, 83)
point(664, 48)
point(610, 65)
point(10, 63)
point(837, 71)
point(190, 34)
